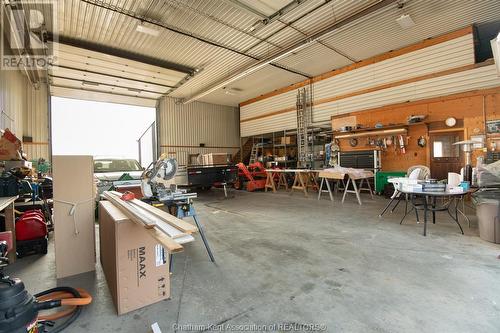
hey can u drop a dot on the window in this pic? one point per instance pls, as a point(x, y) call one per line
point(443, 146)
point(116, 165)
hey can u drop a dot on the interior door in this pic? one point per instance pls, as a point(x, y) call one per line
point(445, 157)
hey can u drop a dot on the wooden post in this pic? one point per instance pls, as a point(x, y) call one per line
point(10, 225)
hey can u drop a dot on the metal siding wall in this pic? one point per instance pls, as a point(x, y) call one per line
point(280, 122)
point(451, 54)
point(271, 104)
point(189, 125)
point(478, 78)
point(13, 91)
point(27, 108)
point(36, 124)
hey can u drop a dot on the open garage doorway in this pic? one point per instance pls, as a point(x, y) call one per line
point(100, 129)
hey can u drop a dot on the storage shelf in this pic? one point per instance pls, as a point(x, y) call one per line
point(397, 129)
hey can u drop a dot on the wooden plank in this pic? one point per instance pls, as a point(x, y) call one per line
point(170, 219)
point(331, 175)
point(5, 201)
point(10, 225)
point(366, 174)
point(148, 219)
point(111, 196)
point(446, 130)
point(168, 243)
point(151, 220)
point(119, 215)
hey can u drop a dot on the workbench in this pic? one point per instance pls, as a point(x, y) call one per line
point(276, 173)
point(342, 176)
point(7, 206)
point(326, 177)
point(304, 179)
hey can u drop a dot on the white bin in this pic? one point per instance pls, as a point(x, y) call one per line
point(488, 215)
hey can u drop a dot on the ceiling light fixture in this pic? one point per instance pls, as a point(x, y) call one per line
point(256, 26)
point(405, 21)
point(147, 30)
point(231, 91)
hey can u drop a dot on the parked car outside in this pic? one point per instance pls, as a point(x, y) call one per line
point(109, 172)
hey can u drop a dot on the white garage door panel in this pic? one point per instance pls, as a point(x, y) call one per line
point(106, 60)
point(61, 82)
point(109, 80)
point(84, 74)
point(101, 97)
point(86, 64)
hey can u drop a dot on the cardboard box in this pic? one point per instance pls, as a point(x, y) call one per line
point(338, 123)
point(287, 140)
point(216, 159)
point(74, 225)
point(10, 146)
point(135, 265)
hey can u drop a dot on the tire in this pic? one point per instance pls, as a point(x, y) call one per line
point(44, 246)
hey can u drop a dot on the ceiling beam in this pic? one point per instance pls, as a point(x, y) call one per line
point(246, 8)
point(282, 11)
point(302, 44)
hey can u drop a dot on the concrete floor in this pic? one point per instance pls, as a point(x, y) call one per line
point(288, 259)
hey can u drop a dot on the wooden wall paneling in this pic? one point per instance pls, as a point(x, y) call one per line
point(466, 108)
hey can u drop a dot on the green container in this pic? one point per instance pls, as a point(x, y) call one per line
point(381, 178)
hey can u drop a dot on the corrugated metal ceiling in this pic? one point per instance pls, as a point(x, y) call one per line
point(256, 84)
point(380, 33)
point(112, 23)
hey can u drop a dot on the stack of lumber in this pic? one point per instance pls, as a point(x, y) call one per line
point(170, 231)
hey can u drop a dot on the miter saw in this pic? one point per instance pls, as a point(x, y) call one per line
point(158, 181)
point(159, 189)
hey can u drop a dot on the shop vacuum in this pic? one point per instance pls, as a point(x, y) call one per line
point(20, 311)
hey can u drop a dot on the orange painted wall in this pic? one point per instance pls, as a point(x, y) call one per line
point(467, 106)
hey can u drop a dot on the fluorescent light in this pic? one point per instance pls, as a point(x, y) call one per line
point(370, 133)
point(147, 30)
point(232, 91)
point(405, 21)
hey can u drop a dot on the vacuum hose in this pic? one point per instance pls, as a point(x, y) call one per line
point(70, 298)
